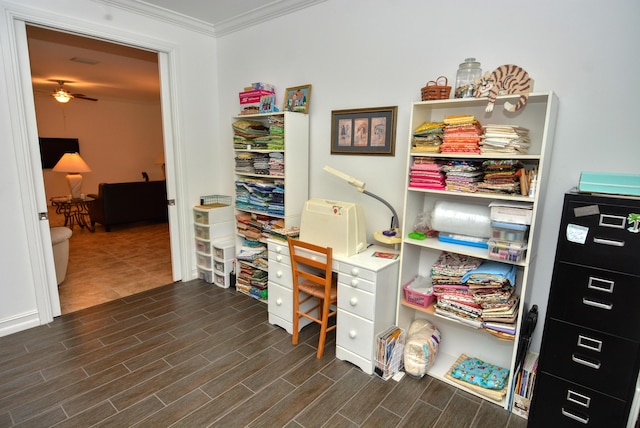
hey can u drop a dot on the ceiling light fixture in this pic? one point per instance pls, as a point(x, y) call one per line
point(62, 96)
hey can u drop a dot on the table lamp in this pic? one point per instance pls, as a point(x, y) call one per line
point(73, 165)
point(390, 236)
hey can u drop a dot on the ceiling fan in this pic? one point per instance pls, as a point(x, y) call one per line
point(63, 96)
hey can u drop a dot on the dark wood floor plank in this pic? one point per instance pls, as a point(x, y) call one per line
point(72, 360)
point(421, 415)
point(381, 417)
point(242, 371)
point(295, 402)
point(255, 405)
point(204, 345)
point(175, 411)
point(89, 417)
point(98, 333)
point(236, 342)
point(321, 410)
point(266, 374)
point(365, 401)
point(200, 377)
point(490, 415)
point(106, 391)
point(140, 391)
point(437, 393)
point(133, 414)
point(33, 408)
point(460, 412)
point(405, 394)
point(25, 395)
point(216, 408)
point(168, 348)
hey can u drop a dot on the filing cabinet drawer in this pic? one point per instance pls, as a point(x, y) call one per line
point(561, 403)
point(355, 334)
point(590, 358)
point(596, 298)
point(596, 232)
point(280, 273)
point(356, 301)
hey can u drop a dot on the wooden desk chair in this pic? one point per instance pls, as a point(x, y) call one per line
point(312, 275)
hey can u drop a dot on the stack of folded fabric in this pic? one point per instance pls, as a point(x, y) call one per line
point(453, 297)
point(484, 378)
point(492, 285)
point(428, 137)
point(276, 164)
point(261, 163)
point(463, 175)
point(426, 173)
point(505, 139)
point(244, 162)
point(501, 176)
point(246, 131)
point(461, 134)
point(276, 133)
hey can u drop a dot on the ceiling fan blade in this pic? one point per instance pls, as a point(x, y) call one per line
point(84, 97)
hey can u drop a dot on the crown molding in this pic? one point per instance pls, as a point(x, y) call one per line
point(267, 12)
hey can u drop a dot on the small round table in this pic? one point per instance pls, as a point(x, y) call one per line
point(75, 211)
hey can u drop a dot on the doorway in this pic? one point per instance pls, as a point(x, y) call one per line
point(112, 85)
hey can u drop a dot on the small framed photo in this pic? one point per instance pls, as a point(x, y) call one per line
point(297, 99)
point(366, 131)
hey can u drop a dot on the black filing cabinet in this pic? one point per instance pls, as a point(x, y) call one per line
point(590, 352)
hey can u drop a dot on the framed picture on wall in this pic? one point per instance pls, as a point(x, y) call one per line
point(297, 99)
point(366, 131)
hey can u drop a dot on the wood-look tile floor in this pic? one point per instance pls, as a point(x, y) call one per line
point(106, 266)
point(192, 355)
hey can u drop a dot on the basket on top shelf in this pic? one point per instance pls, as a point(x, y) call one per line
point(438, 89)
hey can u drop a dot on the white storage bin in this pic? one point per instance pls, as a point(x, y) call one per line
point(222, 280)
point(206, 275)
point(208, 215)
point(203, 246)
point(224, 250)
point(204, 261)
point(223, 267)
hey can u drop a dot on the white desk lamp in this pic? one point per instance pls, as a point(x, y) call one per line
point(390, 236)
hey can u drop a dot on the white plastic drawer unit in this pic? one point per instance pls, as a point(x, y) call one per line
point(223, 250)
point(223, 267)
point(203, 246)
point(212, 215)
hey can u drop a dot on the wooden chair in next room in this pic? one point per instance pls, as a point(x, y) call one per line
point(313, 279)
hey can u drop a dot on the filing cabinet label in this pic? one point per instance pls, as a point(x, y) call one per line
point(586, 210)
point(577, 233)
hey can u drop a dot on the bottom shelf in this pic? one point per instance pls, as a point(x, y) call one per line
point(244, 289)
point(441, 367)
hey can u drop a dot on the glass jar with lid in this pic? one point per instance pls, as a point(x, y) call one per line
point(466, 77)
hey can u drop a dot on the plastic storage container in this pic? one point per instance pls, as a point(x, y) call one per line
point(466, 77)
point(503, 231)
point(507, 250)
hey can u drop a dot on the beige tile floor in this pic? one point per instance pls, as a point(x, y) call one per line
point(107, 266)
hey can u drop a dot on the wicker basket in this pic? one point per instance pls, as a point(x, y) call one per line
point(438, 89)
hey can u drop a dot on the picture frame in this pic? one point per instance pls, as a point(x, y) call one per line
point(364, 131)
point(297, 99)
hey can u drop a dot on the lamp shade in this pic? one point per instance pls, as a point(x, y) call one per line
point(62, 96)
point(71, 162)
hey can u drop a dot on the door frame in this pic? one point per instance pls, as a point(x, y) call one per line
point(31, 181)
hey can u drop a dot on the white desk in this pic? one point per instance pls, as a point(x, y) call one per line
point(367, 288)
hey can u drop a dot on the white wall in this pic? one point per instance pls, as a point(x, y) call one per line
point(25, 244)
point(118, 140)
point(368, 53)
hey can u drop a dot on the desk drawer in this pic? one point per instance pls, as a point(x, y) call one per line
point(356, 282)
point(560, 403)
point(276, 248)
point(596, 232)
point(355, 334)
point(356, 301)
point(590, 358)
point(356, 272)
point(599, 299)
point(281, 274)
